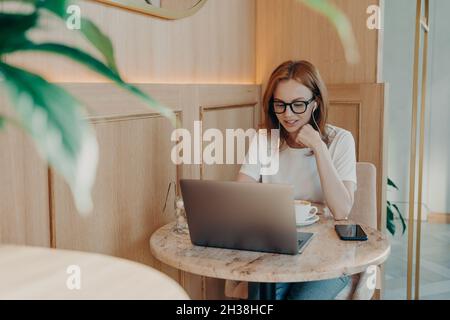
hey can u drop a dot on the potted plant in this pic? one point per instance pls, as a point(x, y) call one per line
point(392, 211)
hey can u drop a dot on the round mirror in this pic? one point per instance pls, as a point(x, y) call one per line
point(167, 9)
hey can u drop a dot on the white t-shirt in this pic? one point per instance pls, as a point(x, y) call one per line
point(298, 168)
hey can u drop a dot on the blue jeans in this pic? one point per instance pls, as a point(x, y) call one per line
point(311, 290)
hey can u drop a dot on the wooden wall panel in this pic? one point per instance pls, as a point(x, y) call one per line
point(348, 116)
point(288, 30)
point(133, 175)
point(24, 213)
point(222, 118)
point(360, 108)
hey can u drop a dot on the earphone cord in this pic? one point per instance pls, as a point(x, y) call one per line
point(317, 126)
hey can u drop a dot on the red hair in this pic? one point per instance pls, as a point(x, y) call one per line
point(307, 74)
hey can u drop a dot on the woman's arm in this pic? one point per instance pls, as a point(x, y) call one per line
point(252, 170)
point(339, 195)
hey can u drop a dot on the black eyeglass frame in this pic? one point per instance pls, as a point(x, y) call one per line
point(307, 103)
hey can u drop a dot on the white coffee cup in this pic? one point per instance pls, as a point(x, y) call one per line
point(304, 210)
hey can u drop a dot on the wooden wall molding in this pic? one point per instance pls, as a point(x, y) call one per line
point(441, 218)
point(204, 110)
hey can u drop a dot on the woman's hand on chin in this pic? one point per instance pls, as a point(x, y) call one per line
point(309, 137)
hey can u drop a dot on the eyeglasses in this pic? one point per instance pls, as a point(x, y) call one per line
point(297, 107)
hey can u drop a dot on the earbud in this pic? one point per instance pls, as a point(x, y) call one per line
point(315, 108)
point(314, 119)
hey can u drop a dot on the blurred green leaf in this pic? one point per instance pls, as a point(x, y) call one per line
point(91, 32)
point(401, 218)
point(341, 24)
point(58, 7)
point(390, 225)
point(2, 122)
point(390, 217)
point(392, 184)
point(99, 41)
point(16, 25)
point(54, 120)
point(99, 67)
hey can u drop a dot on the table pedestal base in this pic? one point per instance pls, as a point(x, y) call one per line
point(262, 291)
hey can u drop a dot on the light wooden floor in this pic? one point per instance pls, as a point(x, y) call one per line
point(435, 264)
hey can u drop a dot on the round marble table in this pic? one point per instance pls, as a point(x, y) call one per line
point(325, 257)
point(42, 273)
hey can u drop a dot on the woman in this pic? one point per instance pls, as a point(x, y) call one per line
point(317, 159)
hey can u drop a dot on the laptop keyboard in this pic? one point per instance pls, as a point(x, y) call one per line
point(303, 238)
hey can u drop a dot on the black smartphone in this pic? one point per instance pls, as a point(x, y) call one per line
point(352, 232)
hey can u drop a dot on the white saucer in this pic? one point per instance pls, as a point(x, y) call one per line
point(308, 222)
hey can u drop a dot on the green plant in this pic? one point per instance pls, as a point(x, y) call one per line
point(53, 118)
point(392, 209)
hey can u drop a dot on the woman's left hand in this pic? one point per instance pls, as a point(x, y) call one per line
point(309, 137)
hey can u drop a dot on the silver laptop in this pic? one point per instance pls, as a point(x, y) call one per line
point(243, 216)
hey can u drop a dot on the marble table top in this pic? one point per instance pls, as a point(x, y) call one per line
point(43, 273)
point(325, 257)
